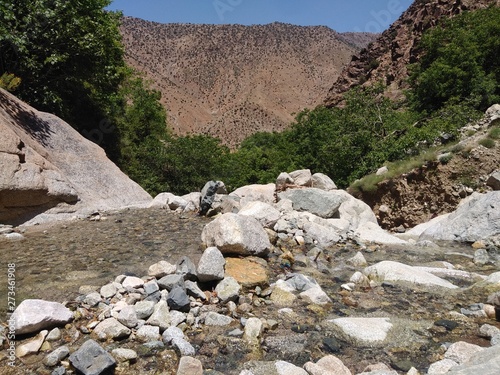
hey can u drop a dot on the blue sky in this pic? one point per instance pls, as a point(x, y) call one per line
point(340, 15)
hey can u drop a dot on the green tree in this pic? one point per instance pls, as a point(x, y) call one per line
point(68, 55)
point(461, 62)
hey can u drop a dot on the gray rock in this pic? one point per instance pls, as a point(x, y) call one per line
point(488, 331)
point(144, 309)
point(494, 181)
point(108, 290)
point(111, 328)
point(190, 366)
point(92, 359)
point(324, 236)
point(161, 269)
point(301, 283)
point(318, 202)
point(460, 352)
point(169, 282)
point(236, 234)
point(476, 219)
point(194, 290)
point(211, 265)
point(148, 333)
point(228, 290)
point(323, 182)
point(160, 316)
point(54, 335)
point(266, 214)
point(177, 299)
point(187, 269)
point(56, 356)
point(215, 319)
point(61, 370)
point(128, 317)
point(316, 296)
point(92, 299)
point(33, 315)
point(484, 362)
point(176, 318)
point(151, 287)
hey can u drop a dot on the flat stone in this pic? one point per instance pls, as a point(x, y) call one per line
point(132, 282)
point(92, 359)
point(248, 272)
point(161, 269)
point(189, 366)
point(329, 365)
point(32, 346)
point(33, 315)
point(124, 355)
point(363, 331)
point(316, 296)
point(215, 319)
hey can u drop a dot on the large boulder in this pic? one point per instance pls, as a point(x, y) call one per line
point(236, 234)
point(318, 202)
point(476, 219)
point(49, 171)
point(33, 315)
point(250, 193)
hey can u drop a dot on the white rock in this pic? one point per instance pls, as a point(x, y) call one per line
point(316, 296)
point(148, 333)
point(144, 309)
point(285, 368)
point(132, 282)
point(215, 319)
point(228, 289)
point(253, 330)
point(160, 269)
point(33, 315)
point(127, 316)
point(124, 355)
point(111, 328)
point(266, 214)
point(329, 365)
point(108, 290)
point(160, 316)
point(460, 352)
point(394, 272)
point(189, 366)
point(323, 182)
point(363, 331)
point(32, 346)
point(371, 232)
point(251, 193)
point(441, 367)
point(236, 234)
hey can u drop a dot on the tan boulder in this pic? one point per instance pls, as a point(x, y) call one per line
point(248, 272)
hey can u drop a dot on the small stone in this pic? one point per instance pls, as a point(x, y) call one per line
point(285, 368)
point(92, 299)
point(172, 333)
point(248, 272)
point(358, 260)
point(111, 328)
point(448, 324)
point(108, 290)
point(187, 269)
point(56, 356)
point(211, 265)
point(124, 355)
point(253, 330)
point(441, 367)
point(148, 333)
point(215, 319)
point(127, 316)
point(161, 269)
point(194, 290)
point(32, 346)
point(228, 290)
point(144, 309)
point(169, 282)
point(331, 345)
point(91, 359)
point(177, 299)
point(132, 282)
point(183, 346)
point(151, 287)
point(460, 352)
point(189, 366)
point(177, 317)
point(325, 366)
point(160, 316)
point(54, 335)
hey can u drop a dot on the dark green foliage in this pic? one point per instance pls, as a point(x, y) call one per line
point(461, 62)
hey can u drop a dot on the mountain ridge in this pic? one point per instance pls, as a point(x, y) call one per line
point(230, 81)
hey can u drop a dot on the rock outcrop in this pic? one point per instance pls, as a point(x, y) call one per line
point(48, 169)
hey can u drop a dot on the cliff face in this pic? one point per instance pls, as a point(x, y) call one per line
point(231, 81)
point(387, 59)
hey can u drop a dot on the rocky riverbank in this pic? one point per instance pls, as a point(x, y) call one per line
point(298, 286)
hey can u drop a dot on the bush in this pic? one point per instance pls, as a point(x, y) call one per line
point(494, 133)
point(487, 142)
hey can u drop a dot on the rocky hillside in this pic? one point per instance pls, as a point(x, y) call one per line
point(439, 186)
point(388, 57)
point(231, 81)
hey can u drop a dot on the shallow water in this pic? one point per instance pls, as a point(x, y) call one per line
point(54, 261)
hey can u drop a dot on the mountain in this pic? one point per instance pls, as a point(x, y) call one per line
point(387, 59)
point(230, 81)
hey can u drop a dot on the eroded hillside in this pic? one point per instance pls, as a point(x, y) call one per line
point(231, 81)
point(388, 58)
